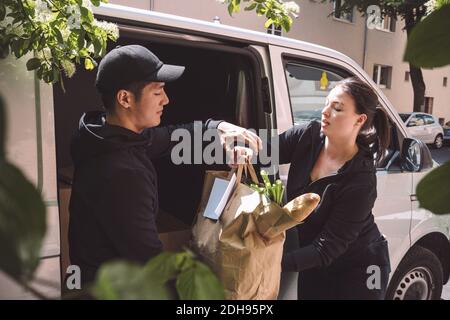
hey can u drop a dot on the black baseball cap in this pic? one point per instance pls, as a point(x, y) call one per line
point(126, 64)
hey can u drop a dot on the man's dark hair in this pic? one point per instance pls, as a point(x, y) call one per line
point(109, 98)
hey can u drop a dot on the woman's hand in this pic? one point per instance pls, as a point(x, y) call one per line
point(235, 140)
point(239, 155)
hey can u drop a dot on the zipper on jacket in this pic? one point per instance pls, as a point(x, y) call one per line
point(323, 178)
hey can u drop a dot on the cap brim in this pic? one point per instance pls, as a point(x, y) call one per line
point(168, 73)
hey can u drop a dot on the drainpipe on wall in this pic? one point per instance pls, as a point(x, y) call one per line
point(152, 4)
point(364, 45)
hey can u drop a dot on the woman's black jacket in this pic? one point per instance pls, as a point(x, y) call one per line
point(342, 227)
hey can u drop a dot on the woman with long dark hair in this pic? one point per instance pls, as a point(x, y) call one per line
point(342, 254)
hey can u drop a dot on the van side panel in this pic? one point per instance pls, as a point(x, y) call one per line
point(423, 221)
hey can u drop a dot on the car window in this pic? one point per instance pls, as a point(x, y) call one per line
point(308, 88)
point(429, 120)
point(416, 120)
point(404, 116)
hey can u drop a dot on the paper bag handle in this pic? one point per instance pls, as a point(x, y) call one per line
point(252, 171)
point(248, 167)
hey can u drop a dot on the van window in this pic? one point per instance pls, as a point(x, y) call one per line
point(308, 88)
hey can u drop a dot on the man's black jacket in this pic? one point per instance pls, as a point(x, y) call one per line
point(114, 199)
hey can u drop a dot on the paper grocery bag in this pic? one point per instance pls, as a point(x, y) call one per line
point(205, 231)
point(251, 248)
point(244, 247)
point(249, 264)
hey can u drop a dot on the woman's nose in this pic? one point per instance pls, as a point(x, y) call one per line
point(325, 111)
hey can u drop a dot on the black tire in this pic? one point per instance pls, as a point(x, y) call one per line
point(418, 277)
point(438, 141)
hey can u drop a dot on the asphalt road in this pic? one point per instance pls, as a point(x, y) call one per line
point(441, 155)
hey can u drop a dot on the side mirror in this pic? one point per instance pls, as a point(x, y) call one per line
point(415, 155)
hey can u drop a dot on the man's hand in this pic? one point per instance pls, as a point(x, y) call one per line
point(235, 141)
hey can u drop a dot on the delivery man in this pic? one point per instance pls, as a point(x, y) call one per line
point(114, 199)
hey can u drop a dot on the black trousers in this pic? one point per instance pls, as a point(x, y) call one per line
point(363, 276)
point(352, 284)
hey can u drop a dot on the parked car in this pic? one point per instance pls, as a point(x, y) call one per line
point(250, 78)
point(446, 128)
point(425, 127)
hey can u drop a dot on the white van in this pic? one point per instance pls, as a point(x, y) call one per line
point(253, 79)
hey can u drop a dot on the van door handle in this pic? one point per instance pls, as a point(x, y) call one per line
point(413, 197)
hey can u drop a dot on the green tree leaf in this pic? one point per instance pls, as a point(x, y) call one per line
point(286, 24)
point(199, 283)
point(15, 48)
point(33, 64)
point(127, 281)
point(433, 191)
point(429, 43)
point(275, 11)
point(88, 64)
point(165, 265)
point(59, 36)
point(268, 23)
point(97, 46)
point(81, 41)
point(230, 9)
point(2, 12)
point(251, 7)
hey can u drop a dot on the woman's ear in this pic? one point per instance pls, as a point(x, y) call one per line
point(362, 118)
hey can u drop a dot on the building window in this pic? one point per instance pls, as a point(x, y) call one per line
point(428, 105)
point(387, 24)
point(407, 75)
point(444, 82)
point(382, 76)
point(338, 14)
point(275, 30)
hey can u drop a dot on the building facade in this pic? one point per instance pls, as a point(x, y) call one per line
point(379, 51)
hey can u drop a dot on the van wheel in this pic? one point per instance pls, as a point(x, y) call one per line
point(418, 277)
point(438, 141)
